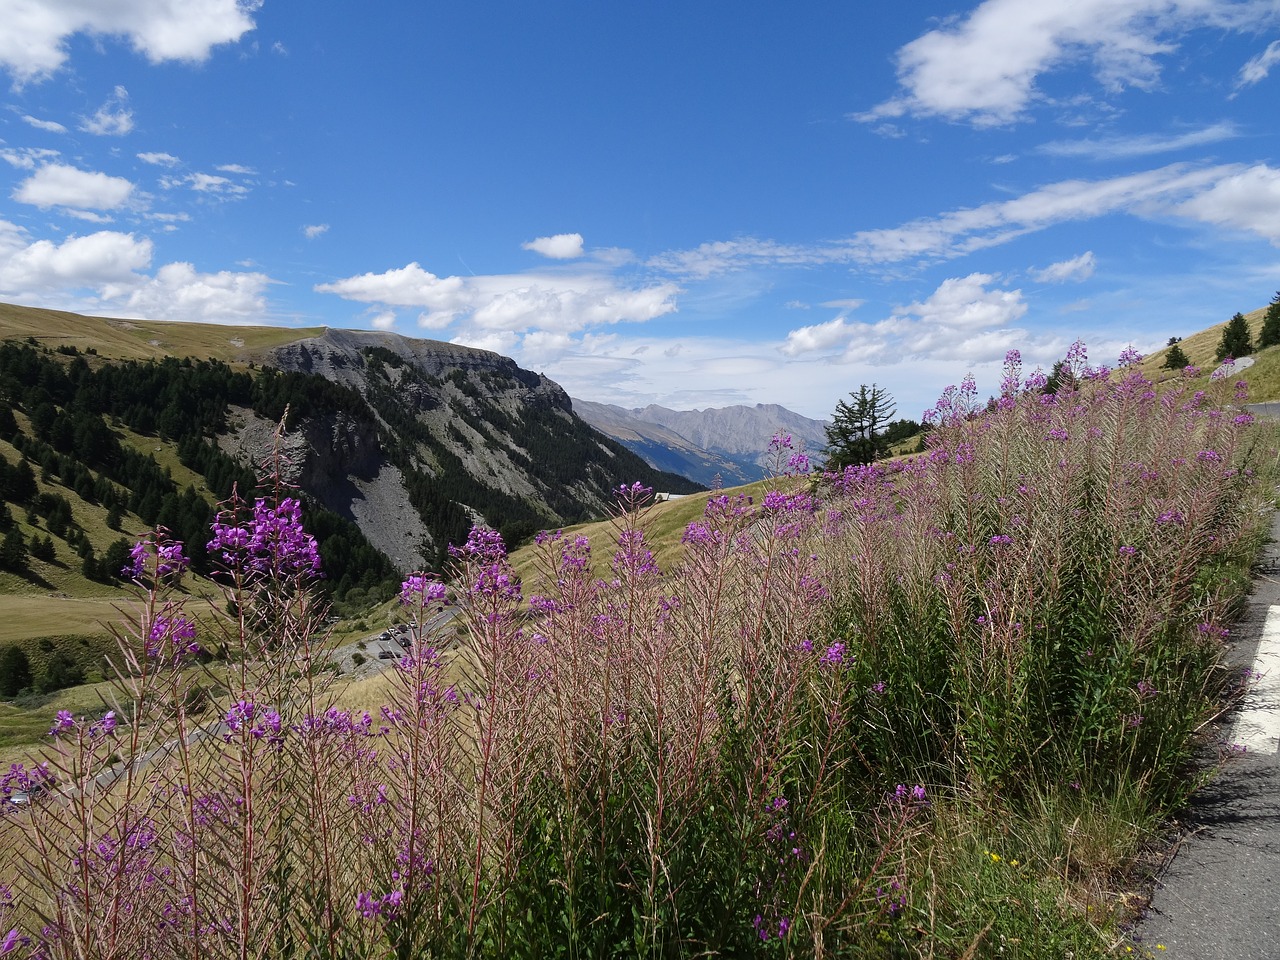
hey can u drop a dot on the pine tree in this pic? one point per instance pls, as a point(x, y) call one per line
point(13, 551)
point(1235, 342)
point(15, 671)
point(853, 436)
point(1176, 359)
point(1270, 335)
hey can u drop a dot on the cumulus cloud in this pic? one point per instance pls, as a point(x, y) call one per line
point(1257, 68)
point(509, 304)
point(33, 43)
point(313, 230)
point(113, 118)
point(965, 318)
point(49, 126)
point(1248, 200)
point(1114, 148)
point(107, 272)
point(159, 159)
point(1077, 268)
point(984, 67)
point(818, 337)
point(58, 185)
point(562, 246)
point(104, 259)
point(179, 292)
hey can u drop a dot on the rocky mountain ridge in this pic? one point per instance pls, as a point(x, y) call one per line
point(731, 443)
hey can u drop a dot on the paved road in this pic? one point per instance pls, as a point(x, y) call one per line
point(1219, 898)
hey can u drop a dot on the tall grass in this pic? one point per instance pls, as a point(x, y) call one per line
point(916, 709)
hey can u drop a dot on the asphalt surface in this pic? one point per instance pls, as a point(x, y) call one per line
point(1219, 895)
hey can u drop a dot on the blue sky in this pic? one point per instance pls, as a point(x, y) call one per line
point(689, 204)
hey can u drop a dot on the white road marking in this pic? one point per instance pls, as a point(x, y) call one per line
point(1257, 726)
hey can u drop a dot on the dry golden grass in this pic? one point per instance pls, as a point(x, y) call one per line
point(145, 339)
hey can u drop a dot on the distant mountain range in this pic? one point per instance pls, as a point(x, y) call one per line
point(728, 443)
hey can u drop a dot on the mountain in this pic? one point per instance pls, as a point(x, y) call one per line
point(729, 442)
point(400, 443)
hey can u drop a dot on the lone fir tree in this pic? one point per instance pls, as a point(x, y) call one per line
point(854, 434)
point(1176, 358)
point(1235, 341)
point(1270, 335)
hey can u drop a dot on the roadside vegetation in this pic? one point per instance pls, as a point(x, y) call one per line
point(933, 707)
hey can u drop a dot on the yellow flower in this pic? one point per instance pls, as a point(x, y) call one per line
point(1160, 946)
point(1013, 863)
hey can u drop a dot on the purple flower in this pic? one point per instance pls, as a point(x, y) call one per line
point(272, 542)
point(63, 722)
point(1130, 357)
point(171, 636)
point(633, 497)
point(421, 590)
point(834, 657)
point(11, 942)
point(240, 713)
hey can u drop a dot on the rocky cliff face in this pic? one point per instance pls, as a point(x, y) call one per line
point(448, 434)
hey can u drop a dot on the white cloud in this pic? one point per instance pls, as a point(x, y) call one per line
point(720, 256)
point(1249, 200)
point(236, 168)
point(562, 246)
point(313, 230)
point(963, 319)
point(159, 159)
point(1077, 268)
point(1257, 68)
point(1112, 148)
point(179, 292)
point(58, 185)
point(818, 337)
point(33, 43)
point(206, 183)
point(113, 118)
point(49, 126)
point(106, 258)
point(383, 320)
point(1225, 194)
point(984, 67)
point(26, 158)
point(509, 303)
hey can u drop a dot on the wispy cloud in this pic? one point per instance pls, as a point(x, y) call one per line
point(159, 159)
point(1114, 148)
point(1165, 191)
point(113, 118)
point(1257, 68)
point(1076, 269)
point(313, 230)
point(49, 126)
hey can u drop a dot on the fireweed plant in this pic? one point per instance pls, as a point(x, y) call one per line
point(803, 740)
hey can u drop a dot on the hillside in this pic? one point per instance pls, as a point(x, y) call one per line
point(397, 446)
